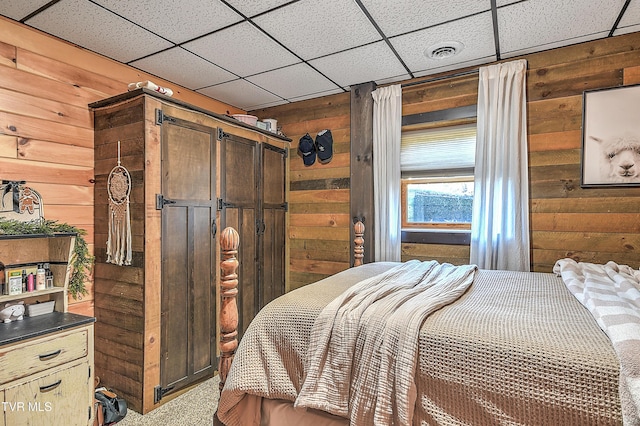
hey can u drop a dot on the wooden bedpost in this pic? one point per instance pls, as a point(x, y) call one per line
point(358, 251)
point(229, 242)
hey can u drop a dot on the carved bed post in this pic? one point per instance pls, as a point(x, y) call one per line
point(229, 242)
point(358, 251)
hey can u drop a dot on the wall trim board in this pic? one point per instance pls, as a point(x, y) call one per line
point(361, 199)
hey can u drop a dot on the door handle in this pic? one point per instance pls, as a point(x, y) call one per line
point(214, 229)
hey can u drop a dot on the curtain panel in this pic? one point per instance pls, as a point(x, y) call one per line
point(500, 224)
point(387, 132)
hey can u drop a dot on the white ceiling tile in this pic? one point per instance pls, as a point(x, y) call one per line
point(293, 81)
point(399, 17)
point(192, 71)
point(242, 49)
point(453, 67)
point(241, 94)
point(367, 63)
point(501, 3)
point(475, 33)
point(252, 8)
point(190, 19)
point(335, 36)
point(393, 79)
point(20, 9)
point(267, 105)
point(627, 30)
point(90, 26)
point(543, 22)
point(553, 45)
point(631, 18)
point(317, 95)
point(313, 28)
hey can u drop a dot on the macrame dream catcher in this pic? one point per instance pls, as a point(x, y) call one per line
point(119, 189)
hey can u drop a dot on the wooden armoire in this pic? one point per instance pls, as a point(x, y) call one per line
point(193, 173)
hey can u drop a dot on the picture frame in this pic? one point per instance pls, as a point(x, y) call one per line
point(611, 137)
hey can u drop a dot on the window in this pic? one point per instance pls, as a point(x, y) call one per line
point(441, 203)
point(437, 177)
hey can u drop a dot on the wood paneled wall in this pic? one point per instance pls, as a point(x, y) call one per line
point(592, 225)
point(587, 224)
point(46, 128)
point(46, 139)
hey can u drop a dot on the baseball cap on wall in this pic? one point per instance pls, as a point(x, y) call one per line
point(324, 145)
point(307, 149)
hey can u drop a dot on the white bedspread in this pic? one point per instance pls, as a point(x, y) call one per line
point(364, 345)
point(611, 292)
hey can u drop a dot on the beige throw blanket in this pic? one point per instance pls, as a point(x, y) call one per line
point(364, 345)
point(611, 292)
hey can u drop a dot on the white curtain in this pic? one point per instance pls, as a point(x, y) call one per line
point(500, 222)
point(387, 132)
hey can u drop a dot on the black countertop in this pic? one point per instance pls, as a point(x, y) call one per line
point(40, 325)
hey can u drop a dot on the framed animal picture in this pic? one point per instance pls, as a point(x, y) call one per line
point(611, 137)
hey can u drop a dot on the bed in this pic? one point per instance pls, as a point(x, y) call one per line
point(513, 348)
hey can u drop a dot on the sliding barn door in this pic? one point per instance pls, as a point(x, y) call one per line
point(188, 205)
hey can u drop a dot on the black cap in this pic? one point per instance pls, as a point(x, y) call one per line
point(307, 149)
point(324, 146)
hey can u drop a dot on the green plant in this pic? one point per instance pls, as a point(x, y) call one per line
point(81, 262)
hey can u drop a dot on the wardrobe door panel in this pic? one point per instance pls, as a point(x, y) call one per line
point(272, 242)
point(175, 296)
point(188, 204)
point(204, 313)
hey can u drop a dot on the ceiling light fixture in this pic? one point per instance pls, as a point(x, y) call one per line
point(443, 50)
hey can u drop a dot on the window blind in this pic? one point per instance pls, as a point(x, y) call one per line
point(442, 151)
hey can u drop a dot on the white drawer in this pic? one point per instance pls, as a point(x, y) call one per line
point(51, 398)
point(23, 359)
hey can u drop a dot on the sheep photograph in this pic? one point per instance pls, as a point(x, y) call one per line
point(611, 137)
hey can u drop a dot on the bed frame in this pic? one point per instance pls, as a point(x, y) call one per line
point(478, 385)
point(229, 243)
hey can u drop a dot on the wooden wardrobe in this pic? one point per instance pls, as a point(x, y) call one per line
point(193, 173)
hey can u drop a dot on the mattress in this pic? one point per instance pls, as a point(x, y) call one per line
point(516, 348)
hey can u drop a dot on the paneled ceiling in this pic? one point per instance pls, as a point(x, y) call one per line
point(258, 53)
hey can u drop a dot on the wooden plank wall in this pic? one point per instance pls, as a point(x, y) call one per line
point(119, 292)
point(319, 219)
point(46, 128)
point(593, 225)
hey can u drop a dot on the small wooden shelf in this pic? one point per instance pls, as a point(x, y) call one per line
point(37, 293)
point(32, 249)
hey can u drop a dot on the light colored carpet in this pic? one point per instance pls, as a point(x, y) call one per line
point(193, 408)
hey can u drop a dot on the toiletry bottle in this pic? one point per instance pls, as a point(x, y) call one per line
point(48, 274)
point(31, 282)
point(3, 286)
point(40, 278)
point(24, 280)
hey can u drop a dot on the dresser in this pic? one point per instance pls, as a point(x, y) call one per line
point(47, 370)
point(46, 361)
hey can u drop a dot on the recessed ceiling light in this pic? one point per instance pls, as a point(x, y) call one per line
point(443, 50)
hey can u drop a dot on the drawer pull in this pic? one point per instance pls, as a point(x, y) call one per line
point(50, 387)
point(47, 357)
